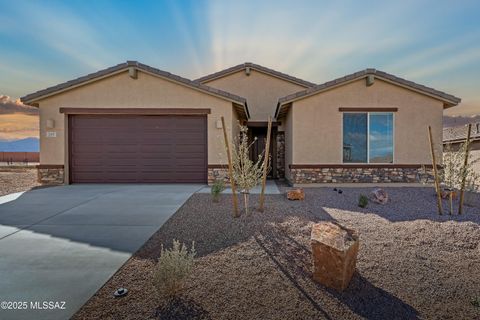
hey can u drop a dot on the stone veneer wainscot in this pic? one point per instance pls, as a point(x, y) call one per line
point(360, 174)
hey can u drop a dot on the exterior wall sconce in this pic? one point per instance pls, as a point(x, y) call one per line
point(247, 71)
point(50, 124)
point(218, 124)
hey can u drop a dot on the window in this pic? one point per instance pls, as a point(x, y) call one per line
point(368, 137)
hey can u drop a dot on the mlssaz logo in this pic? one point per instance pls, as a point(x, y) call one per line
point(47, 305)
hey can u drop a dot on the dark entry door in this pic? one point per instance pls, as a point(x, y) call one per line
point(259, 145)
point(137, 148)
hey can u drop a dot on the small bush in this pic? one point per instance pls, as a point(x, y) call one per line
point(363, 201)
point(217, 188)
point(475, 302)
point(173, 268)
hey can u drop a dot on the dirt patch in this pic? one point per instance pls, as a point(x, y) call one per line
point(412, 262)
point(17, 179)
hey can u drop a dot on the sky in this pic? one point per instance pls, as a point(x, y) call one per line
point(45, 42)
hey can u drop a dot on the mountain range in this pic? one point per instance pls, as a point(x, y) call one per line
point(25, 145)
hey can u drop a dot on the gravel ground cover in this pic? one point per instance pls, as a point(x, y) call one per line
point(17, 179)
point(412, 264)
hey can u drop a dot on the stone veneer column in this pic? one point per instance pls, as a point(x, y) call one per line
point(280, 156)
point(50, 174)
point(218, 172)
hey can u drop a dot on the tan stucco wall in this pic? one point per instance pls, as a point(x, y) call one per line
point(262, 91)
point(317, 123)
point(121, 91)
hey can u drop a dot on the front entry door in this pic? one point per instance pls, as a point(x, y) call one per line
point(258, 147)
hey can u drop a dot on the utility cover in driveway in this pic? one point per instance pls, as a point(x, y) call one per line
point(138, 148)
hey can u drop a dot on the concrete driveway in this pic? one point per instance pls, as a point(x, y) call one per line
point(62, 244)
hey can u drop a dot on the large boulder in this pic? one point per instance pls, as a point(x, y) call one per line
point(380, 196)
point(334, 254)
point(296, 194)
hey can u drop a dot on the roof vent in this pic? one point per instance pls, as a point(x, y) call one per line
point(370, 80)
point(132, 72)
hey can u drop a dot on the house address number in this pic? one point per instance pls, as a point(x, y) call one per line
point(51, 134)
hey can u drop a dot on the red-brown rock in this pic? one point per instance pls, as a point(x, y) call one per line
point(446, 194)
point(380, 196)
point(334, 254)
point(296, 194)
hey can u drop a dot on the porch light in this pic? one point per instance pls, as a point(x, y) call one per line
point(50, 124)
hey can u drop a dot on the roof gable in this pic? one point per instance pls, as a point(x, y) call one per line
point(449, 100)
point(122, 67)
point(268, 71)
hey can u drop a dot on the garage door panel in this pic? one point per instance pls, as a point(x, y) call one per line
point(158, 149)
point(154, 163)
point(187, 177)
point(86, 148)
point(188, 148)
point(189, 162)
point(136, 148)
point(190, 139)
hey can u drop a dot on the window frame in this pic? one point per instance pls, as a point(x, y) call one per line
point(368, 138)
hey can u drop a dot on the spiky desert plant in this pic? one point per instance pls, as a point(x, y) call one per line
point(454, 171)
point(362, 201)
point(173, 267)
point(246, 173)
point(217, 188)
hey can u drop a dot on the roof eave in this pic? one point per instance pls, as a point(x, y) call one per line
point(259, 68)
point(123, 67)
point(448, 103)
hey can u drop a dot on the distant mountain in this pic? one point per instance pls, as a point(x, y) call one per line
point(25, 145)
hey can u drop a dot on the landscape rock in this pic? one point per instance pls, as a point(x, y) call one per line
point(380, 196)
point(334, 254)
point(296, 194)
point(446, 194)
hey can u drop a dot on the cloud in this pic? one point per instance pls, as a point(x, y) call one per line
point(10, 106)
point(18, 126)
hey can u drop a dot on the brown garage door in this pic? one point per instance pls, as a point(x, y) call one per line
point(137, 148)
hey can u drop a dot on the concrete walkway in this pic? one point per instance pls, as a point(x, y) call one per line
point(62, 244)
point(270, 188)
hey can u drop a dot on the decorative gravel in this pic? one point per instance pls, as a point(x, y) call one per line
point(17, 179)
point(412, 263)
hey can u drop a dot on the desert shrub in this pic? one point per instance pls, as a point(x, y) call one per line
point(217, 188)
point(475, 302)
point(454, 170)
point(172, 268)
point(246, 173)
point(363, 201)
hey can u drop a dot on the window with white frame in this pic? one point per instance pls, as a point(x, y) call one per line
point(368, 137)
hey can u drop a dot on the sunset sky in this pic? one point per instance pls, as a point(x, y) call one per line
point(43, 43)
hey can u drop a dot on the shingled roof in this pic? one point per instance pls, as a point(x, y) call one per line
point(31, 98)
point(459, 133)
point(257, 67)
point(448, 99)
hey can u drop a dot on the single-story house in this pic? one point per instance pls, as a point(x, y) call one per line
point(457, 135)
point(135, 123)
